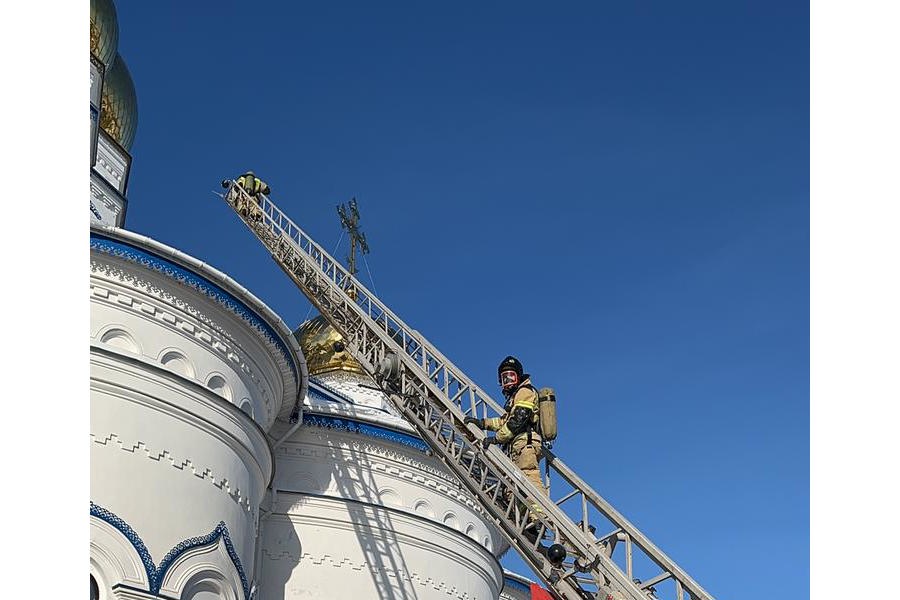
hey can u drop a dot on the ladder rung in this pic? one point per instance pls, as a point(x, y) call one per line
point(568, 496)
point(658, 579)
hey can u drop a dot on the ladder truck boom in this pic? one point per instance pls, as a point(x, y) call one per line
point(435, 396)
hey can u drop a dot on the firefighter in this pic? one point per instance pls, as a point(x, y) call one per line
point(518, 428)
point(253, 186)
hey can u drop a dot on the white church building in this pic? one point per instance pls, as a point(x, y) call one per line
point(202, 485)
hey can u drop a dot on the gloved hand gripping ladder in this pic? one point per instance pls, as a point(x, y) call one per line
point(435, 396)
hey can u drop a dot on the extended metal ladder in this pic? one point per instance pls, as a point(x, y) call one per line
point(435, 396)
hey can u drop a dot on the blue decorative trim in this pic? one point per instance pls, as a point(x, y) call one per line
point(358, 427)
point(155, 575)
point(319, 395)
point(515, 583)
point(136, 541)
point(337, 396)
point(125, 250)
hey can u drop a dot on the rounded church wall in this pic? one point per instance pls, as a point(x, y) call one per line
point(394, 469)
point(149, 299)
point(327, 548)
point(364, 510)
point(187, 372)
point(172, 464)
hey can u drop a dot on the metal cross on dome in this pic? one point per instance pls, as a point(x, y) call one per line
point(349, 214)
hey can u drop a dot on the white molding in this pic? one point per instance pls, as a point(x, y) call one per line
point(111, 164)
point(106, 207)
point(292, 387)
point(114, 557)
point(210, 561)
point(122, 593)
point(188, 317)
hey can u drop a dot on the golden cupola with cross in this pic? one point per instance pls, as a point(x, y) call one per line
point(324, 348)
point(322, 345)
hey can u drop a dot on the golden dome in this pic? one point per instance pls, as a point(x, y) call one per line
point(317, 339)
point(104, 31)
point(118, 105)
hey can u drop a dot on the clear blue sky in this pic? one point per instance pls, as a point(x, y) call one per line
point(615, 192)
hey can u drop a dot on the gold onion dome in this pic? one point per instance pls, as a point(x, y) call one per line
point(323, 348)
point(104, 31)
point(118, 105)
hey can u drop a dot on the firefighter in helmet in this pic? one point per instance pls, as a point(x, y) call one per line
point(253, 186)
point(518, 428)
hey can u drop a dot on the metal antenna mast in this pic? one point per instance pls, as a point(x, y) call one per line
point(349, 214)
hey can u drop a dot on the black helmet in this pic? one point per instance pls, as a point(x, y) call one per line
point(510, 363)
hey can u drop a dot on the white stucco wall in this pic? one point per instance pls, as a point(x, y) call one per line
point(363, 510)
point(187, 370)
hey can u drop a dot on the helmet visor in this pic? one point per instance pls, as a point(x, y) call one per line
point(508, 379)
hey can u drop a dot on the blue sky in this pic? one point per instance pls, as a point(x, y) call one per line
point(617, 194)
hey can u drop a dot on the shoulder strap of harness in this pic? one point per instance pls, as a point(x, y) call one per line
point(531, 422)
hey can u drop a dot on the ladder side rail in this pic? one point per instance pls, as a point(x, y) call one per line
point(276, 226)
point(638, 538)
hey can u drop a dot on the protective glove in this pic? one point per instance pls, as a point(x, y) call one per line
point(479, 423)
point(486, 442)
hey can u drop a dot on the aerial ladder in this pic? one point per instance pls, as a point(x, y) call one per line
point(575, 559)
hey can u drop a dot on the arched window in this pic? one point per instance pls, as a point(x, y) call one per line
point(247, 407)
point(95, 589)
point(208, 586)
point(450, 520)
point(423, 508)
point(218, 384)
point(119, 338)
point(177, 362)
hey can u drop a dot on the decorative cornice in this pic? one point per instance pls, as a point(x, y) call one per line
point(388, 461)
point(202, 330)
point(315, 394)
point(330, 450)
point(354, 426)
point(120, 249)
point(155, 575)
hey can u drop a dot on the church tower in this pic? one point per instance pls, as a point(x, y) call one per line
point(113, 118)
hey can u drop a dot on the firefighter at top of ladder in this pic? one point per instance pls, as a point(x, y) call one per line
point(253, 186)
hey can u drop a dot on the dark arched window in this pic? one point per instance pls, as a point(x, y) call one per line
point(95, 590)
